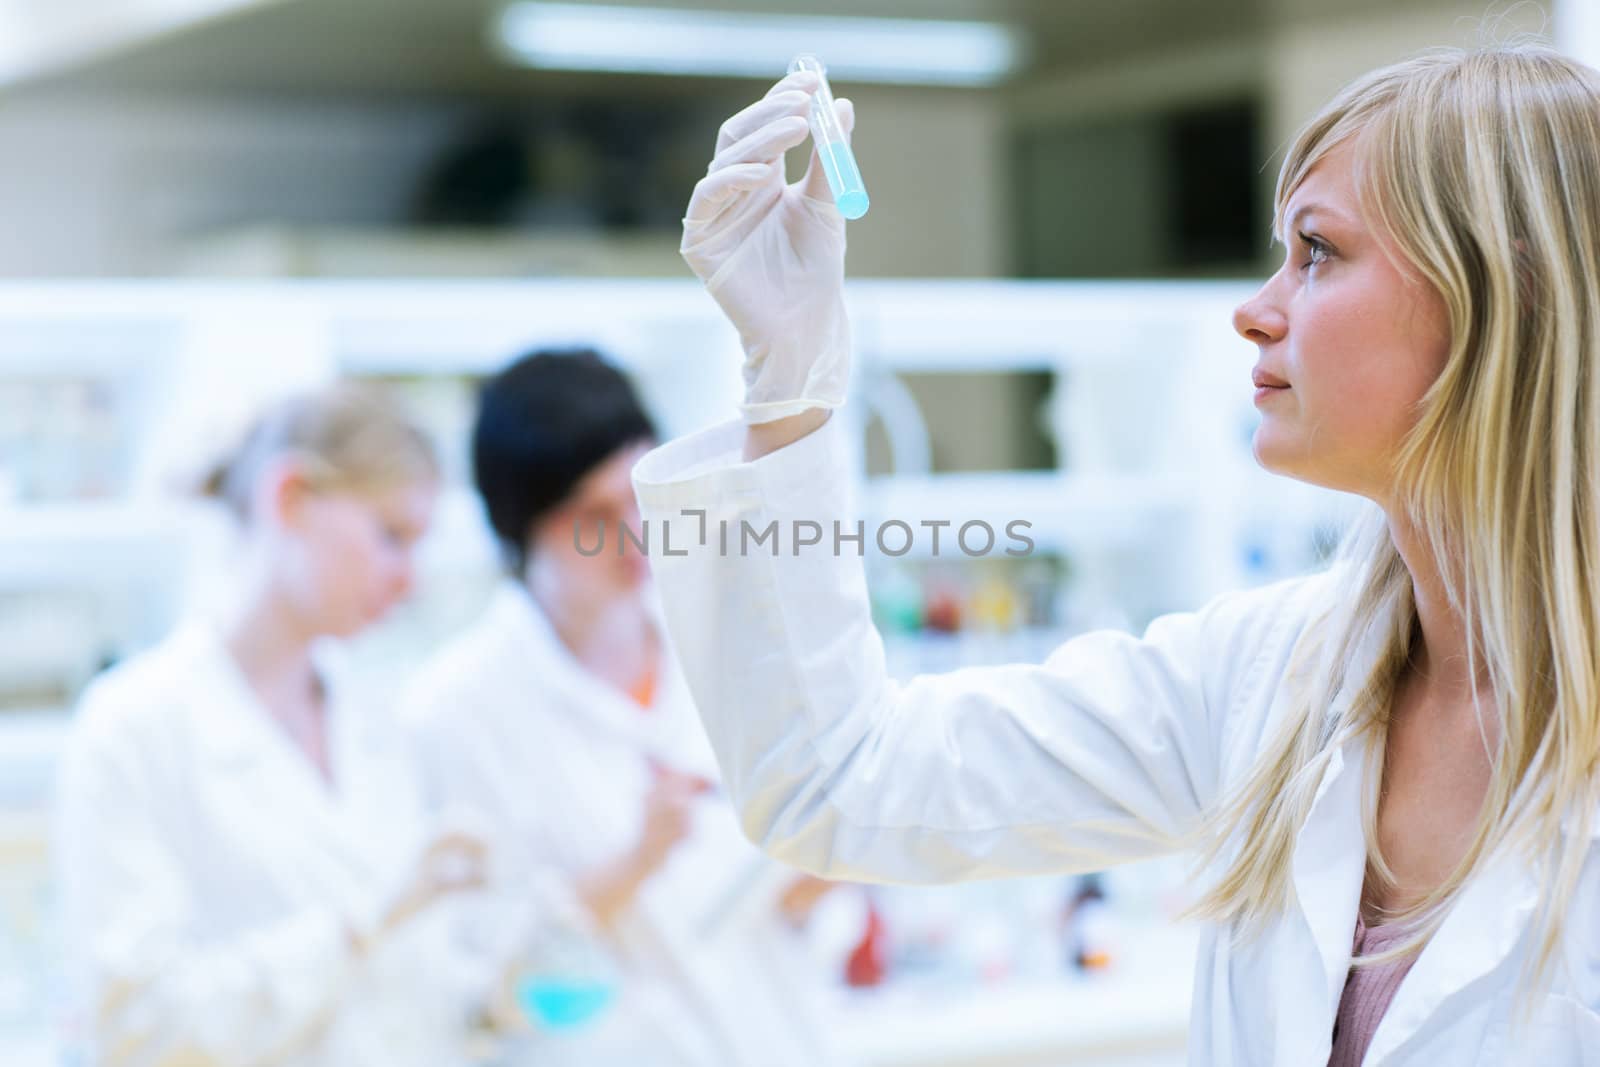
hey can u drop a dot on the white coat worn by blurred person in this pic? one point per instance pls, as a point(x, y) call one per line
point(561, 717)
point(245, 875)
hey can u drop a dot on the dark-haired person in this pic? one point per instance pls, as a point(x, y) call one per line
point(247, 872)
point(561, 719)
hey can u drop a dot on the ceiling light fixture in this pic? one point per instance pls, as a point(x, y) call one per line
point(639, 40)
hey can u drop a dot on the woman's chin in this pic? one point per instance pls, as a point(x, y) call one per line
point(1286, 458)
point(1292, 460)
point(1268, 450)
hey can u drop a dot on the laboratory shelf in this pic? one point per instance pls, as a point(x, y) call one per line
point(1066, 510)
point(29, 1049)
point(24, 835)
point(1036, 325)
point(31, 744)
point(89, 541)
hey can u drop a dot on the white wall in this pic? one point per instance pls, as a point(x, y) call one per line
point(937, 167)
point(1310, 61)
point(1577, 24)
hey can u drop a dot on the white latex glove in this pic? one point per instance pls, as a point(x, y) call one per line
point(772, 255)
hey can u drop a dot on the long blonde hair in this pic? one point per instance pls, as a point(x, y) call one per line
point(1484, 168)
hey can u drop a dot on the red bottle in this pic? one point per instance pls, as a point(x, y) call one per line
point(868, 963)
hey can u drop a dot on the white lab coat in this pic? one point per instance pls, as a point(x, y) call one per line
point(1108, 752)
point(515, 729)
point(208, 873)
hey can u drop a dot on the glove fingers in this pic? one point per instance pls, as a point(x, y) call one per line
point(803, 80)
point(765, 145)
point(791, 96)
point(713, 192)
point(815, 182)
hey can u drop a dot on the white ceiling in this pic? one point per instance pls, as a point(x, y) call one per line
point(434, 46)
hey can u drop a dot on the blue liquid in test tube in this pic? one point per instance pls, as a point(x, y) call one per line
point(838, 162)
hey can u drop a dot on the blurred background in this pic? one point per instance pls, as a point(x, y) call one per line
point(206, 203)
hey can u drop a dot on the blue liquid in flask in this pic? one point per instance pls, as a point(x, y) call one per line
point(562, 1003)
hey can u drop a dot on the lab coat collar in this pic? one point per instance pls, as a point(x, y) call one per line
point(242, 742)
point(532, 643)
point(1329, 861)
point(1328, 868)
point(318, 839)
point(1481, 929)
point(229, 722)
point(236, 730)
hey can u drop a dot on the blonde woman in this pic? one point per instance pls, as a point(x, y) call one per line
point(1391, 766)
point(246, 874)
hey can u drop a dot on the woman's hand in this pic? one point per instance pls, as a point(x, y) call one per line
point(772, 255)
point(668, 819)
point(453, 862)
point(668, 815)
point(801, 897)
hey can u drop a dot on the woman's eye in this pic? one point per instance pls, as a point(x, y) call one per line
point(1316, 251)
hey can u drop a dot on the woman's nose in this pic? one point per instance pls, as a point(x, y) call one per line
point(1258, 321)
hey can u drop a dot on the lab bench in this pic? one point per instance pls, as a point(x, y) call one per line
point(1134, 1015)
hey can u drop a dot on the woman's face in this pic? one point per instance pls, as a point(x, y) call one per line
point(591, 517)
point(1348, 341)
point(351, 553)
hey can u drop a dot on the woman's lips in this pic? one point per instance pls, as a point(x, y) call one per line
point(1266, 384)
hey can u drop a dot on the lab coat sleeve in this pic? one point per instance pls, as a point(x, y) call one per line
point(150, 990)
point(1108, 752)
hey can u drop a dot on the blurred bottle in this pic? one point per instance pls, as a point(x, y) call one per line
point(896, 600)
point(1038, 590)
point(994, 603)
point(1086, 922)
point(942, 611)
point(867, 965)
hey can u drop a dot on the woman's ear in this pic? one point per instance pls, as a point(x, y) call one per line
point(281, 491)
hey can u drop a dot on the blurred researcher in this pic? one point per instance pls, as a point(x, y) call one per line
point(246, 869)
point(562, 718)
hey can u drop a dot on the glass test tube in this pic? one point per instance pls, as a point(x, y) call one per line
point(838, 162)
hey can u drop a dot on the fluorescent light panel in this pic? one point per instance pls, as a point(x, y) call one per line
point(637, 40)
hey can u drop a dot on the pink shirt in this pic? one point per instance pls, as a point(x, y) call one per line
point(1367, 992)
